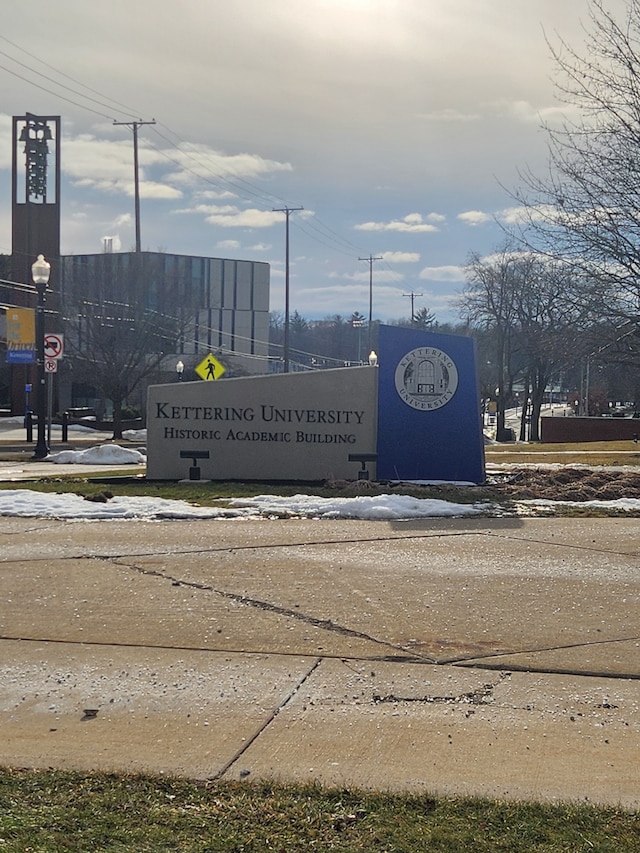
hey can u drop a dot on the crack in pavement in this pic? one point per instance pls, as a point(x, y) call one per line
point(270, 607)
point(480, 696)
point(405, 656)
point(400, 652)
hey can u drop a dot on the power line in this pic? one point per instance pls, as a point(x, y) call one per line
point(340, 244)
point(239, 185)
point(235, 182)
point(17, 285)
point(314, 228)
point(126, 110)
point(55, 94)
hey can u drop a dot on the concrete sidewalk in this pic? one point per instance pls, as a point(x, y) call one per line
point(490, 657)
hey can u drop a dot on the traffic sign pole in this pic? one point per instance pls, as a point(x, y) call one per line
point(49, 404)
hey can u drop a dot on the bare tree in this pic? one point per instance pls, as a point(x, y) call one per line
point(525, 307)
point(548, 322)
point(586, 209)
point(121, 321)
point(488, 302)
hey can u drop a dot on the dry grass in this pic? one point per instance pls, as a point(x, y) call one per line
point(585, 453)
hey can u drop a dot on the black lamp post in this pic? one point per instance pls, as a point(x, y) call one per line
point(40, 272)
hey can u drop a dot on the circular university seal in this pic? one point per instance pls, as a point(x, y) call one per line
point(426, 378)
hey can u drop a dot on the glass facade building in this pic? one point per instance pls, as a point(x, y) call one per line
point(231, 297)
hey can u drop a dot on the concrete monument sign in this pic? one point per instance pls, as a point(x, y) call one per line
point(416, 416)
point(292, 426)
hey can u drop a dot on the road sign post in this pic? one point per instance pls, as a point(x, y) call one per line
point(53, 350)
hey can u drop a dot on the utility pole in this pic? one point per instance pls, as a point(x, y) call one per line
point(412, 296)
point(134, 125)
point(285, 350)
point(370, 261)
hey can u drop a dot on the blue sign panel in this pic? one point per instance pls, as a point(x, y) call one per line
point(429, 422)
point(21, 356)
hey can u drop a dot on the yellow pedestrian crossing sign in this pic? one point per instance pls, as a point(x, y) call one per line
point(210, 368)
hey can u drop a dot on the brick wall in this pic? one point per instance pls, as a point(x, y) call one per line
point(560, 430)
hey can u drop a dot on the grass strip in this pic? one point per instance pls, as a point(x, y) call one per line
point(57, 811)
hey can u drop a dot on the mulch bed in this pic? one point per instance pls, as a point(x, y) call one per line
point(565, 484)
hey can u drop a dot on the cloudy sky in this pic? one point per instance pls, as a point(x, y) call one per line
point(395, 124)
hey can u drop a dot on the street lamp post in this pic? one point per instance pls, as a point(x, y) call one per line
point(40, 271)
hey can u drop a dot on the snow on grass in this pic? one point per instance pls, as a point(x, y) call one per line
point(104, 454)
point(27, 503)
point(378, 507)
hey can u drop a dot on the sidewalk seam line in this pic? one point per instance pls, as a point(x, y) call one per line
point(226, 767)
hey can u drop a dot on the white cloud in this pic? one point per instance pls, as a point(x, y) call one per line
point(250, 218)
point(449, 114)
point(521, 214)
point(413, 222)
point(474, 217)
point(216, 195)
point(228, 244)
point(525, 112)
point(521, 110)
point(208, 209)
point(379, 275)
point(246, 165)
point(353, 295)
point(85, 157)
point(446, 273)
point(401, 257)
point(513, 215)
point(152, 189)
point(107, 166)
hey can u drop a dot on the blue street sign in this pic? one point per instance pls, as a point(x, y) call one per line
point(21, 356)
